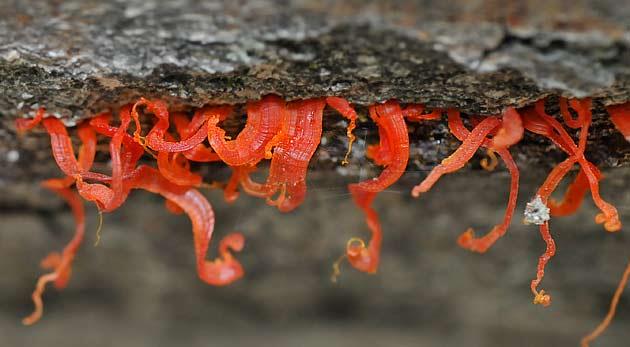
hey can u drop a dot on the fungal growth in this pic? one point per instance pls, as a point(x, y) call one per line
point(586, 340)
point(293, 146)
point(288, 133)
point(538, 121)
point(392, 153)
point(620, 116)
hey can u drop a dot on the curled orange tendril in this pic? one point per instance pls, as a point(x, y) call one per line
point(264, 120)
point(395, 140)
point(111, 191)
point(289, 133)
point(294, 146)
point(620, 116)
point(268, 125)
point(415, 113)
point(155, 138)
point(511, 131)
point(23, 125)
point(460, 157)
point(538, 121)
point(60, 264)
point(609, 216)
point(222, 271)
point(611, 311)
point(345, 109)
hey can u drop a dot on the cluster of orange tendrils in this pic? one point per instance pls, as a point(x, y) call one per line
point(288, 133)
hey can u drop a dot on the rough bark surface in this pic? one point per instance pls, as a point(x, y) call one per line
point(77, 58)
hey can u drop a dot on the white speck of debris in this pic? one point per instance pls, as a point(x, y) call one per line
point(12, 55)
point(339, 87)
point(55, 53)
point(13, 156)
point(536, 212)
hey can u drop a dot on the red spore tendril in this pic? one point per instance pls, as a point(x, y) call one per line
point(61, 264)
point(540, 122)
point(264, 120)
point(155, 138)
point(508, 128)
point(586, 340)
point(620, 116)
point(345, 109)
point(293, 148)
point(289, 134)
point(23, 125)
point(415, 113)
point(219, 272)
point(393, 131)
point(460, 157)
point(609, 216)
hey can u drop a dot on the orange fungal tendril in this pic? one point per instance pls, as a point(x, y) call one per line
point(225, 269)
point(392, 132)
point(289, 133)
point(538, 121)
point(511, 120)
point(586, 340)
point(294, 146)
point(264, 120)
point(460, 157)
point(186, 127)
point(23, 125)
point(345, 109)
point(59, 263)
point(155, 138)
point(620, 116)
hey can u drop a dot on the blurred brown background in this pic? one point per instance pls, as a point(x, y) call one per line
point(139, 286)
